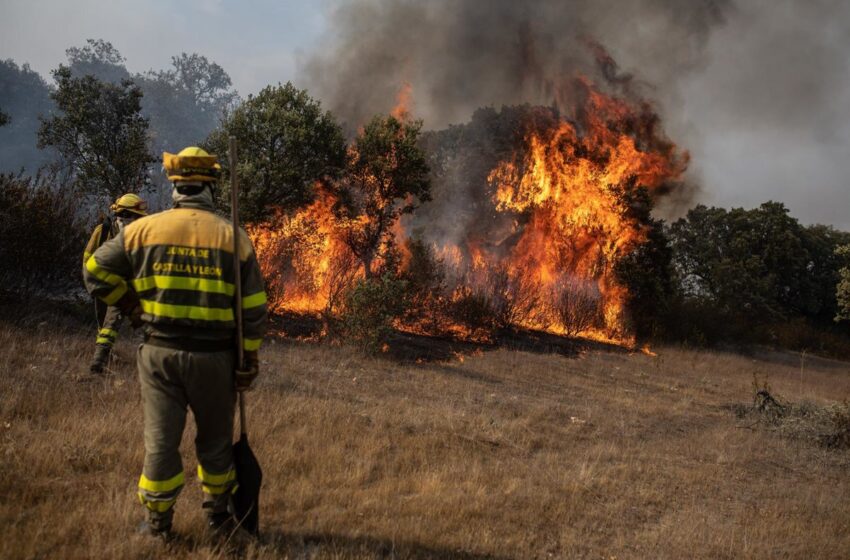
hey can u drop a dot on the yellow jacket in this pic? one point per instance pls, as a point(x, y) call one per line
point(180, 264)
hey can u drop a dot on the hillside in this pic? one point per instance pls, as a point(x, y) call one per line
point(493, 454)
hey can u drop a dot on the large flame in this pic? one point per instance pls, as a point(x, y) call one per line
point(566, 193)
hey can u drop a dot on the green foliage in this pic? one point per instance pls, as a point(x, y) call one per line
point(761, 262)
point(41, 235)
point(100, 134)
point(371, 307)
point(646, 272)
point(843, 288)
point(386, 175)
point(286, 144)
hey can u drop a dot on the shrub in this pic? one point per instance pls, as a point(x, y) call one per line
point(512, 298)
point(473, 310)
point(426, 278)
point(42, 236)
point(577, 305)
point(371, 307)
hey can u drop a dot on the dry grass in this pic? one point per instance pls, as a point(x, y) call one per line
point(503, 455)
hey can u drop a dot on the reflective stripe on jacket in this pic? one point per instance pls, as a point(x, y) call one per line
point(95, 241)
point(180, 263)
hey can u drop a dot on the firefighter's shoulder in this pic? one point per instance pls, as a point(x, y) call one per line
point(186, 227)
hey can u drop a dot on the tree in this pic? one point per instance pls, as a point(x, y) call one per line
point(759, 262)
point(24, 96)
point(97, 58)
point(286, 144)
point(386, 175)
point(185, 103)
point(4, 118)
point(100, 133)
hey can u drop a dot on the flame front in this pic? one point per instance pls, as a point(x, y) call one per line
point(567, 194)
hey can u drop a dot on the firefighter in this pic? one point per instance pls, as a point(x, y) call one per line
point(126, 209)
point(172, 273)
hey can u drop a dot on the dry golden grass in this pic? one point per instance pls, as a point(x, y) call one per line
point(506, 454)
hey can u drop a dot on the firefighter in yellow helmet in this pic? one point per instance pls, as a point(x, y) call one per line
point(126, 208)
point(173, 273)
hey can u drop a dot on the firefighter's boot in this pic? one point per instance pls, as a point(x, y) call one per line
point(100, 359)
point(158, 525)
point(220, 520)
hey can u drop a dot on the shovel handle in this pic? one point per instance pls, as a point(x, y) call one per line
point(237, 274)
point(243, 429)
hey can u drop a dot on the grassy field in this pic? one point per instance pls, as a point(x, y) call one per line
point(491, 453)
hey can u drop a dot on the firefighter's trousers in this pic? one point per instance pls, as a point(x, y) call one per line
point(172, 380)
point(108, 332)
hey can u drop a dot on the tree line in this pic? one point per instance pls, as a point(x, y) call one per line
point(713, 276)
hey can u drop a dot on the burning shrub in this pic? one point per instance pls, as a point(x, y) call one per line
point(513, 301)
point(426, 278)
point(371, 307)
point(473, 310)
point(577, 305)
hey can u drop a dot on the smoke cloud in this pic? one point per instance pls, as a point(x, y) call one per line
point(459, 55)
point(756, 90)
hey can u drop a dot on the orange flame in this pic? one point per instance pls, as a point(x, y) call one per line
point(566, 191)
point(404, 102)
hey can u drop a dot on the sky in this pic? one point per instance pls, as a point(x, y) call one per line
point(764, 110)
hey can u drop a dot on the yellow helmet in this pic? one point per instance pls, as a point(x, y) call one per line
point(191, 164)
point(130, 202)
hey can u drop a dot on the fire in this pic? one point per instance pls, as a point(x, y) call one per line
point(563, 203)
point(302, 257)
point(404, 102)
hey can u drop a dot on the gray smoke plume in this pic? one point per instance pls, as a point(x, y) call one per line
point(756, 90)
point(459, 55)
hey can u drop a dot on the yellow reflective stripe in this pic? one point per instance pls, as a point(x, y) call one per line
point(112, 297)
point(186, 311)
point(254, 300)
point(183, 283)
point(216, 479)
point(86, 257)
point(160, 506)
point(169, 485)
point(111, 279)
point(251, 344)
point(99, 273)
point(106, 336)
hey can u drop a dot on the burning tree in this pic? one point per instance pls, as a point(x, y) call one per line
point(540, 217)
point(535, 194)
point(386, 175)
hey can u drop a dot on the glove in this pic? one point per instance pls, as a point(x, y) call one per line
point(249, 372)
point(130, 308)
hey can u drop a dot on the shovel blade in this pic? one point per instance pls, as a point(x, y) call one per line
point(246, 500)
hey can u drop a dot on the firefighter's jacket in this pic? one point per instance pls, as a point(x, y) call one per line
point(95, 239)
point(180, 263)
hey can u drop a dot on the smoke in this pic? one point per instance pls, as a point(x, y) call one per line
point(463, 54)
point(757, 90)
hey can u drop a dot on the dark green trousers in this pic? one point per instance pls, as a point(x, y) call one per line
point(173, 381)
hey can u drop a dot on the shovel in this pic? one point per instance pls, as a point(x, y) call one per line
point(249, 475)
